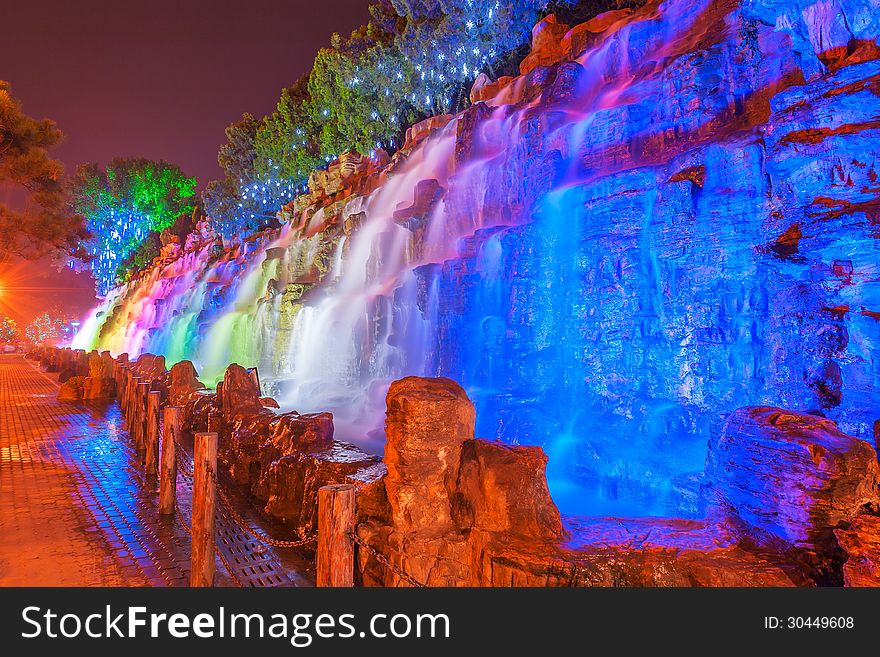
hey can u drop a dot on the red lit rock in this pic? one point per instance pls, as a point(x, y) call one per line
point(504, 488)
point(72, 389)
point(292, 481)
point(546, 44)
point(184, 383)
point(98, 388)
point(427, 422)
point(581, 37)
point(149, 366)
point(96, 365)
point(418, 131)
point(792, 475)
point(861, 543)
point(292, 432)
point(239, 394)
point(480, 82)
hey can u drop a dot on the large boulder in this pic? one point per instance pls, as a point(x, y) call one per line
point(81, 362)
point(72, 389)
point(108, 365)
point(547, 47)
point(149, 367)
point(427, 422)
point(239, 393)
point(98, 387)
point(184, 383)
point(292, 432)
point(791, 475)
point(291, 482)
point(96, 365)
point(504, 488)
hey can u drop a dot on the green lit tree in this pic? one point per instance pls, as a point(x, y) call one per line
point(358, 95)
point(415, 58)
point(124, 204)
point(285, 143)
point(44, 225)
point(246, 199)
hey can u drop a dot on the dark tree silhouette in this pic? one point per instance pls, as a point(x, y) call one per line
point(41, 224)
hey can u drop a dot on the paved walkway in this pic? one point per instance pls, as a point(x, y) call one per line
point(75, 509)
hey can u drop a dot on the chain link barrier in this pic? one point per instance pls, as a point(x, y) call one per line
point(183, 465)
point(245, 526)
point(226, 565)
point(382, 559)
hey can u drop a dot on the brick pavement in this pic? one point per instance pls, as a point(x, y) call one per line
point(76, 510)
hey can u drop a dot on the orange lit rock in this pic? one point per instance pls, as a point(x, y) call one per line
point(292, 432)
point(546, 44)
point(427, 422)
point(861, 543)
point(72, 389)
point(149, 367)
point(418, 131)
point(504, 488)
point(98, 388)
point(96, 365)
point(184, 382)
point(239, 394)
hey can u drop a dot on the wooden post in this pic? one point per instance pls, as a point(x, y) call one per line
point(140, 421)
point(168, 469)
point(151, 443)
point(214, 421)
point(204, 497)
point(131, 404)
point(121, 386)
point(335, 565)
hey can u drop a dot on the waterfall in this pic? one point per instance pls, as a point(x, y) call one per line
point(586, 253)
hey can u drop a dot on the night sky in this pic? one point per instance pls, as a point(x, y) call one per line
point(158, 79)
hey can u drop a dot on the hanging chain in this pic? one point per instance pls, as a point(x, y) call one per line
point(382, 559)
point(228, 505)
point(246, 527)
point(181, 519)
point(226, 565)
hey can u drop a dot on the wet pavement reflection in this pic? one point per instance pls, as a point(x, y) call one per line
point(77, 510)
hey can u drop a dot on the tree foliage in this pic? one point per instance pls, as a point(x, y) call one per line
point(44, 225)
point(245, 199)
point(413, 59)
point(9, 331)
point(124, 204)
point(44, 329)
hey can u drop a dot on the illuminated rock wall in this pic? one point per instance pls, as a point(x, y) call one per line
point(609, 254)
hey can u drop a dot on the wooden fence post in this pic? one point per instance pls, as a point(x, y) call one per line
point(336, 515)
point(131, 404)
point(204, 498)
point(121, 381)
point(168, 468)
point(140, 421)
point(151, 443)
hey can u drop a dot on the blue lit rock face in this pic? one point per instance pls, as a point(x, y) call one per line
point(610, 254)
point(791, 476)
point(705, 240)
